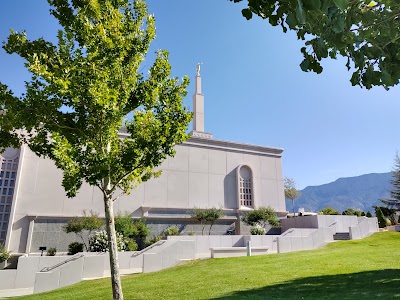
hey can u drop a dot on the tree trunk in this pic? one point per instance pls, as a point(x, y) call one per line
point(211, 225)
point(113, 249)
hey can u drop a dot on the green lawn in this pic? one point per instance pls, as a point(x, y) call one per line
point(365, 269)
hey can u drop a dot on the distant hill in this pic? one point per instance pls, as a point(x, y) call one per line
point(360, 192)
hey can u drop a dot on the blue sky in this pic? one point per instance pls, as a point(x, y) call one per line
point(254, 89)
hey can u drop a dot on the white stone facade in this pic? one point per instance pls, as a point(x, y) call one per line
point(204, 173)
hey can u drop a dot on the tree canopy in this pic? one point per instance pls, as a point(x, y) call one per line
point(366, 33)
point(89, 107)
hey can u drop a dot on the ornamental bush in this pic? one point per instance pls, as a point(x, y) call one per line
point(4, 254)
point(74, 248)
point(98, 242)
point(51, 252)
point(171, 230)
point(257, 230)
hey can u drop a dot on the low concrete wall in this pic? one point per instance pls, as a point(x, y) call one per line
point(338, 222)
point(203, 243)
point(224, 252)
point(394, 228)
point(364, 228)
point(270, 241)
point(297, 240)
point(7, 279)
point(168, 254)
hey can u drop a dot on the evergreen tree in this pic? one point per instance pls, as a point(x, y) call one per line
point(393, 203)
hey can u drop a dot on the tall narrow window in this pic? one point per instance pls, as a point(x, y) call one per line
point(245, 187)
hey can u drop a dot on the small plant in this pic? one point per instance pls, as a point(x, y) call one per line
point(262, 216)
point(98, 242)
point(74, 248)
point(130, 245)
point(51, 252)
point(153, 240)
point(204, 215)
point(257, 230)
point(328, 211)
point(368, 214)
point(4, 254)
point(191, 233)
point(171, 230)
point(87, 222)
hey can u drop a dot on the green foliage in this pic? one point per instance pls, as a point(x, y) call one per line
point(98, 242)
point(261, 216)
point(380, 216)
point(153, 240)
point(82, 91)
point(51, 251)
point(353, 212)
point(74, 248)
point(366, 33)
point(171, 230)
point(368, 214)
point(204, 215)
point(124, 225)
point(142, 230)
point(130, 245)
point(257, 230)
point(4, 254)
point(88, 222)
point(393, 203)
point(328, 211)
point(291, 192)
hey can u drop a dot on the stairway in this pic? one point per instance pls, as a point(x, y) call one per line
point(341, 236)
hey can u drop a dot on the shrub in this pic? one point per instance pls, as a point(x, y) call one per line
point(51, 252)
point(328, 211)
point(257, 230)
point(130, 245)
point(191, 233)
point(261, 216)
point(204, 215)
point(388, 222)
point(124, 225)
point(153, 240)
point(75, 248)
point(4, 254)
point(171, 230)
point(380, 216)
point(98, 242)
point(368, 214)
point(88, 222)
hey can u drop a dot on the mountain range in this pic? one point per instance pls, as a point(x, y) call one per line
point(360, 192)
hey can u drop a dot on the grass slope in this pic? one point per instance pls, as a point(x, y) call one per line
point(364, 269)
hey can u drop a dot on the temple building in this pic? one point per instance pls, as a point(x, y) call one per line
point(204, 173)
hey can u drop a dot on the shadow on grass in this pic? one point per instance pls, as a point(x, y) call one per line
point(383, 284)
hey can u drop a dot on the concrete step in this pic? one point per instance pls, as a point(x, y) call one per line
point(341, 236)
point(15, 292)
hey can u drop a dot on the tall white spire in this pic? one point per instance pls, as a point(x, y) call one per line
point(198, 108)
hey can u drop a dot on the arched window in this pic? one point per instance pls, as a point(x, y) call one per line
point(245, 187)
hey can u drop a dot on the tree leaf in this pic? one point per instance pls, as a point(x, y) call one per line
point(247, 13)
point(342, 4)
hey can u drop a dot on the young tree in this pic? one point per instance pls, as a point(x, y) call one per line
point(82, 91)
point(87, 222)
point(261, 216)
point(212, 215)
point(204, 215)
point(365, 32)
point(291, 192)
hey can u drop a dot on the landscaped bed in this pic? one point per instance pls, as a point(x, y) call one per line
point(362, 269)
